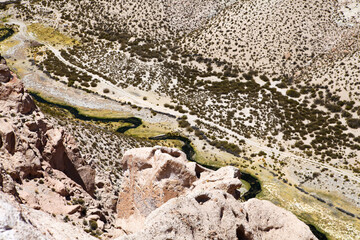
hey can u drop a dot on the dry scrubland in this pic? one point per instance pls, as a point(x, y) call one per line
point(283, 74)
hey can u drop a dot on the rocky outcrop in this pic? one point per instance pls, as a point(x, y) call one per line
point(62, 153)
point(271, 222)
point(217, 215)
point(5, 74)
point(166, 197)
point(42, 168)
point(226, 179)
point(13, 96)
point(31, 147)
point(152, 176)
point(28, 140)
point(19, 222)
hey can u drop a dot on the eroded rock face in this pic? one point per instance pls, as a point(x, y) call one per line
point(62, 153)
point(29, 141)
point(272, 222)
point(19, 222)
point(152, 176)
point(166, 197)
point(5, 74)
point(218, 215)
point(15, 98)
point(226, 179)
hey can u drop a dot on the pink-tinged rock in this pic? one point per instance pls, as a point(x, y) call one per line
point(7, 133)
point(61, 153)
point(5, 74)
point(226, 179)
point(218, 215)
point(152, 177)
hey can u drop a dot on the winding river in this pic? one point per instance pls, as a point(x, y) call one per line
point(187, 148)
point(9, 33)
point(136, 122)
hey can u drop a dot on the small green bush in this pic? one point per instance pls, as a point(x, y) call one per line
point(293, 93)
point(353, 122)
point(93, 225)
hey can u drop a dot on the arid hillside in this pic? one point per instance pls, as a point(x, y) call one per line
point(268, 86)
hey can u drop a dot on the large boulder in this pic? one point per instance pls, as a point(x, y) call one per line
point(226, 179)
point(272, 222)
point(152, 176)
point(218, 215)
point(5, 74)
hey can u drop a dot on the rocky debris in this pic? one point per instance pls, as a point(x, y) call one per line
point(7, 184)
point(5, 74)
point(166, 197)
point(7, 131)
point(19, 222)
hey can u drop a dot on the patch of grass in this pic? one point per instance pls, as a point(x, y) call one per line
point(50, 35)
point(5, 19)
point(7, 44)
point(150, 129)
point(89, 112)
point(308, 209)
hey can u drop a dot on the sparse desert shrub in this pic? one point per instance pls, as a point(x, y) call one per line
point(353, 122)
point(264, 78)
point(293, 93)
point(281, 85)
point(247, 76)
point(183, 123)
point(93, 225)
point(261, 153)
point(333, 107)
point(346, 114)
point(66, 218)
